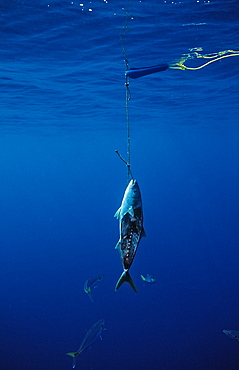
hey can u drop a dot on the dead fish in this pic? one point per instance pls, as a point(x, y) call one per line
point(130, 215)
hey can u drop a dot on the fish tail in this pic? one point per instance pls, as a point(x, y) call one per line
point(73, 354)
point(125, 277)
point(143, 278)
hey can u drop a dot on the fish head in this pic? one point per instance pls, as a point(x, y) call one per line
point(102, 323)
point(131, 200)
point(234, 334)
point(150, 279)
point(133, 193)
point(100, 277)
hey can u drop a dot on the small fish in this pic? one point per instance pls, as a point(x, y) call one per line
point(234, 334)
point(130, 215)
point(91, 284)
point(91, 335)
point(148, 279)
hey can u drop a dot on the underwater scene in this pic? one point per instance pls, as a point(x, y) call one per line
point(119, 191)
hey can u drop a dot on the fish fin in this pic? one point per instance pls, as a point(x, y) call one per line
point(142, 277)
point(131, 211)
point(72, 354)
point(117, 245)
point(117, 213)
point(143, 233)
point(88, 291)
point(125, 277)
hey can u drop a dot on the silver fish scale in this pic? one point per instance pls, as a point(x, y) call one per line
point(130, 240)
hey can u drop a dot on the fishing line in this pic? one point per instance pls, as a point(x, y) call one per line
point(128, 162)
point(122, 33)
point(195, 55)
point(126, 29)
point(127, 99)
point(144, 71)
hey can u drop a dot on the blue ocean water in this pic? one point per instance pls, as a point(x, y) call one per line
point(62, 117)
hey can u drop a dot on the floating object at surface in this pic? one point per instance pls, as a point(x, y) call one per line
point(130, 215)
point(91, 336)
point(92, 283)
point(144, 71)
point(195, 53)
